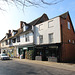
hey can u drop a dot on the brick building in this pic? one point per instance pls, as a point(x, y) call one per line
point(46, 39)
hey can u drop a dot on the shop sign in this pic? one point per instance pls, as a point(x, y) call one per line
point(25, 48)
point(53, 46)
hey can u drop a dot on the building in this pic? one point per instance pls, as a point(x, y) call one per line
point(55, 39)
point(21, 41)
point(43, 39)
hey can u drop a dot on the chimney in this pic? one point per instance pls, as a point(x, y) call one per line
point(9, 31)
point(21, 22)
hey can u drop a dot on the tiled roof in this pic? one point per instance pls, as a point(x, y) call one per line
point(36, 20)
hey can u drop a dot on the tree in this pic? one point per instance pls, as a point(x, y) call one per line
point(28, 3)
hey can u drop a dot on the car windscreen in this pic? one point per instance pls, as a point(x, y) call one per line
point(4, 54)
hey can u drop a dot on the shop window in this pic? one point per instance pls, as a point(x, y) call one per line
point(53, 53)
point(51, 38)
point(41, 39)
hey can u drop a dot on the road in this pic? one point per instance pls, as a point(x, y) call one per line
point(12, 67)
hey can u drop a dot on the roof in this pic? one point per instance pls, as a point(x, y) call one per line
point(65, 16)
point(36, 20)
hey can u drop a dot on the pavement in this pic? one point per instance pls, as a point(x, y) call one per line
point(65, 66)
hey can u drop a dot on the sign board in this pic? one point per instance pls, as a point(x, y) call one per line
point(25, 48)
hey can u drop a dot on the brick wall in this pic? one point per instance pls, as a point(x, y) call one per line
point(67, 48)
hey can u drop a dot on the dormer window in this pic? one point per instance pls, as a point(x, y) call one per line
point(14, 32)
point(25, 28)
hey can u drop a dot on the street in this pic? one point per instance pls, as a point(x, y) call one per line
point(12, 67)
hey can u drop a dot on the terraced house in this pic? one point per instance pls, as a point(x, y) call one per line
point(42, 39)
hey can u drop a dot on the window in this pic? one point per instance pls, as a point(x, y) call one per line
point(68, 25)
point(50, 24)
point(51, 38)
point(6, 42)
point(27, 37)
point(9, 41)
point(3, 44)
point(41, 27)
point(41, 39)
point(73, 41)
point(69, 41)
point(18, 38)
point(26, 27)
point(14, 40)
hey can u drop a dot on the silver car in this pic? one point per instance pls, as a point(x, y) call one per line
point(4, 56)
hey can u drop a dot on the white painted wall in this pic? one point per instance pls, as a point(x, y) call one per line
point(45, 31)
point(22, 39)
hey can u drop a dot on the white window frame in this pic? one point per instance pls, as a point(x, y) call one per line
point(40, 39)
point(51, 39)
point(49, 25)
point(27, 38)
point(40, 27)
point(68, 24)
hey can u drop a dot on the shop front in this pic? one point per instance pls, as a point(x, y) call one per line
point(8, 51)
point(26, 52)
point(47, 52)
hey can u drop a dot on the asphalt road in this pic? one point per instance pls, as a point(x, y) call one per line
point(11, 67)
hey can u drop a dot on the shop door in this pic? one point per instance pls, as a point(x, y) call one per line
point(24, 54)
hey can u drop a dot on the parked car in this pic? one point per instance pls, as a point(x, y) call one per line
point(4, 56)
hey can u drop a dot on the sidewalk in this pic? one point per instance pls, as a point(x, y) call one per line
point(65, 66)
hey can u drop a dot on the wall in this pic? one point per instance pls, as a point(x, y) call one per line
point(22, 39)
point(45, 31)
point(67, 48)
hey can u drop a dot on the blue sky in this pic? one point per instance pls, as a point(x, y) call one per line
point(12, 17)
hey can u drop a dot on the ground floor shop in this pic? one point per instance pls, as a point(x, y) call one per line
point(26, 52)
point(8, 50)
point(47, 52)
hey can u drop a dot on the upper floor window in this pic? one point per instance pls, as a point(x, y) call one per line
point(9, 41)
point(51, 38)
point(68, 25)
point(50, 23)
point(73, 41)
point(6, 42)
point(27, 37)
point(69, 41)
point(41, 27)
point(41, 39)
point(14, 40)
point(18, 38)
point(3, 44)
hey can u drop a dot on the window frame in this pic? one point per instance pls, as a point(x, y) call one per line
point(40, 42)
point(27, 37)
point(68, 25)
point(39, 27)
point(52, 39)
point(49, 26)
point(18, 38)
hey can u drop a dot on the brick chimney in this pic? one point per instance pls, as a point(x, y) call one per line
point(9, 31)
point(21, 22)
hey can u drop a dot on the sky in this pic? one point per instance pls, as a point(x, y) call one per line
point(10, 19)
